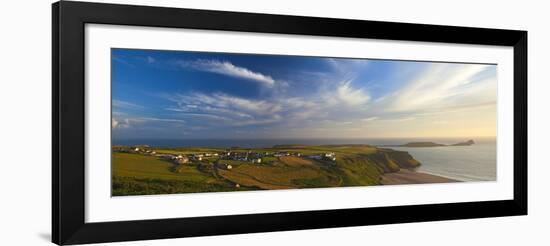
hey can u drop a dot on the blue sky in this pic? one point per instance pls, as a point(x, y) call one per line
point(173, 94)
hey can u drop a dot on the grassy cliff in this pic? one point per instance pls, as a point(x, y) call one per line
point(355, 165)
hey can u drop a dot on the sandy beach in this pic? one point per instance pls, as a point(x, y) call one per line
point(411, 177)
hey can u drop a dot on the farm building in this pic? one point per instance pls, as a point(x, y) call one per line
point(330, 155)
point(182, 160)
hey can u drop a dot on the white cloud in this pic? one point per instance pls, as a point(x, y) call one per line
point(345, 66)
point(370, 119)
point(117, 124)
point(227, 68)
point(223, 103)
point(125, 105)
point(201, 115)
point(159, 119)
point(341, 102)
point(422, 102)
point(351, 96)
point(128, 122)
point(114, 123)
point(223, 109)
point(273, 119)
point(442, 86)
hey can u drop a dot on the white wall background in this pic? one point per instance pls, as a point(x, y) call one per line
point(25, 59)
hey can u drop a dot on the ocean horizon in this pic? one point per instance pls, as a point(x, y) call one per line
point(270, 142)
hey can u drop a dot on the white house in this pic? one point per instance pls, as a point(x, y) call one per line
point(182, 160)
point(330, 155)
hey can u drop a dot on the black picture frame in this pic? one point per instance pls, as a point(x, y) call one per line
point(68, 118)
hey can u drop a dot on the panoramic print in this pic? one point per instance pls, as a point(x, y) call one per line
point(191, 122)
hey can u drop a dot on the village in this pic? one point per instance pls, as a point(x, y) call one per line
point(238, 155)
point(142, 169)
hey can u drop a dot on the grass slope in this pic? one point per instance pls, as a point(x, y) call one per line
point(135, 174)
point(356, 165)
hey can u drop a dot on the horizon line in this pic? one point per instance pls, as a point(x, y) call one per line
point(356, 138)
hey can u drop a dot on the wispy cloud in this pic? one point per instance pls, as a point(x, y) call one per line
point(125, 105)
point(227, 68)
point(309, 97)
point(118, 123)
point(442, 86)
point(225, 109)
point(370, 119)
point(345, 66)
point(122, 61)
point(163, 120)
point(428, 97)
point(351, 96)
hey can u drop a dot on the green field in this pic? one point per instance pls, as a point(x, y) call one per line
point(135, 174)
point(355, 165)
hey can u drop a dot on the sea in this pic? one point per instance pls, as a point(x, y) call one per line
point(465, 163)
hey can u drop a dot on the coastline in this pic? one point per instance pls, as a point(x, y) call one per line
point(405, 176)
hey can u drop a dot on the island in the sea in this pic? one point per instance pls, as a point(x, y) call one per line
point(144, 170)
point(432, 144)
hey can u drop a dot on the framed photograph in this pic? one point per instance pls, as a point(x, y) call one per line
point(175, 122)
